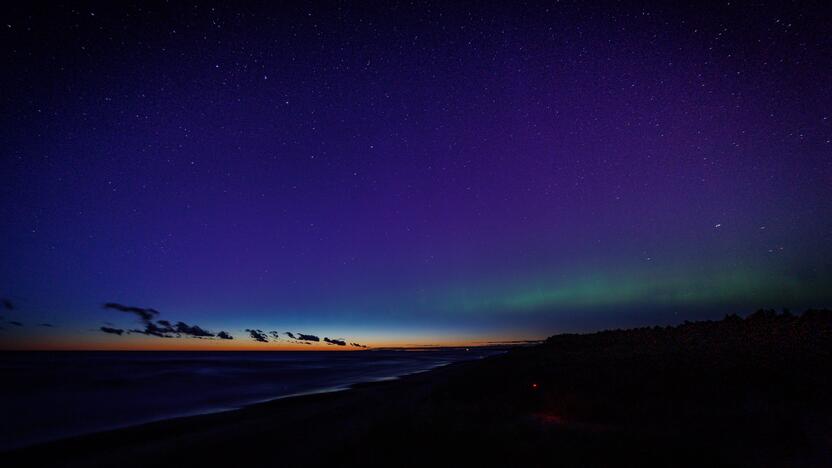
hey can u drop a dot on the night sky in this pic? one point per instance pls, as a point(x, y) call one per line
point(395, 174)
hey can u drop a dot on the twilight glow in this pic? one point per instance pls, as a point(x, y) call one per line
point(418, 175)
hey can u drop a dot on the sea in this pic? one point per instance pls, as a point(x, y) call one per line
point(47, 396)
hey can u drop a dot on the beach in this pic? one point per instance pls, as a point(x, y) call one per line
point(738, 392)
point(55, 395)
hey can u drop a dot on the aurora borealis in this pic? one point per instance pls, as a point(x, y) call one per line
point(410, 174)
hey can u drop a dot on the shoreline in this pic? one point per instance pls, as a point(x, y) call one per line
point(86, 448)
point(232, 382)
point(735, 392)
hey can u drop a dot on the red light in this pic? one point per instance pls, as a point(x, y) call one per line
point(534, 386)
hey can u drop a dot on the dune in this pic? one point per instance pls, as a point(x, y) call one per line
point(738, 392)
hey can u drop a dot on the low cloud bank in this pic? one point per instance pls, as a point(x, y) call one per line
point(257, 335)
point(160, 328)
point(152, 325)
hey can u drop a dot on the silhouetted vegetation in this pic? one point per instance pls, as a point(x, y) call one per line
point(750, 392)
point(733, 392)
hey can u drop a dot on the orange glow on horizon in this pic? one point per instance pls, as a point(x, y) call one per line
point(190, 344)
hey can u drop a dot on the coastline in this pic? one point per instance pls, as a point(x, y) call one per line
point(111, 391)
point(154, 438)
point(735, 392)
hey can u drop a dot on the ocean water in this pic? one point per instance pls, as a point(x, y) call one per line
point(51, 395)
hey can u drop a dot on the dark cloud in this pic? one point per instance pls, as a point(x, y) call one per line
point(275, 334)
point(257, 335)
point(290, 335)
point(49, 325)
point(16, 323)
point(224, 335)
point(303, 337)
point(114, 331)
point(192, 330)
point(145, 314)
point(153, 329)
point(7, 304)
point(358, 345)
point(335, 342)
point(162, 328)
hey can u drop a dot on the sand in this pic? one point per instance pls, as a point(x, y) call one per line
point(750, 392)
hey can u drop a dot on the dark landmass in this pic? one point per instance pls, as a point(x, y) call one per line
point(735, 392)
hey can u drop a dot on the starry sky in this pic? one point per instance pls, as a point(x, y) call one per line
point(408, 173)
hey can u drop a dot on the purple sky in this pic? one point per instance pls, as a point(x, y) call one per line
point(412, 173)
